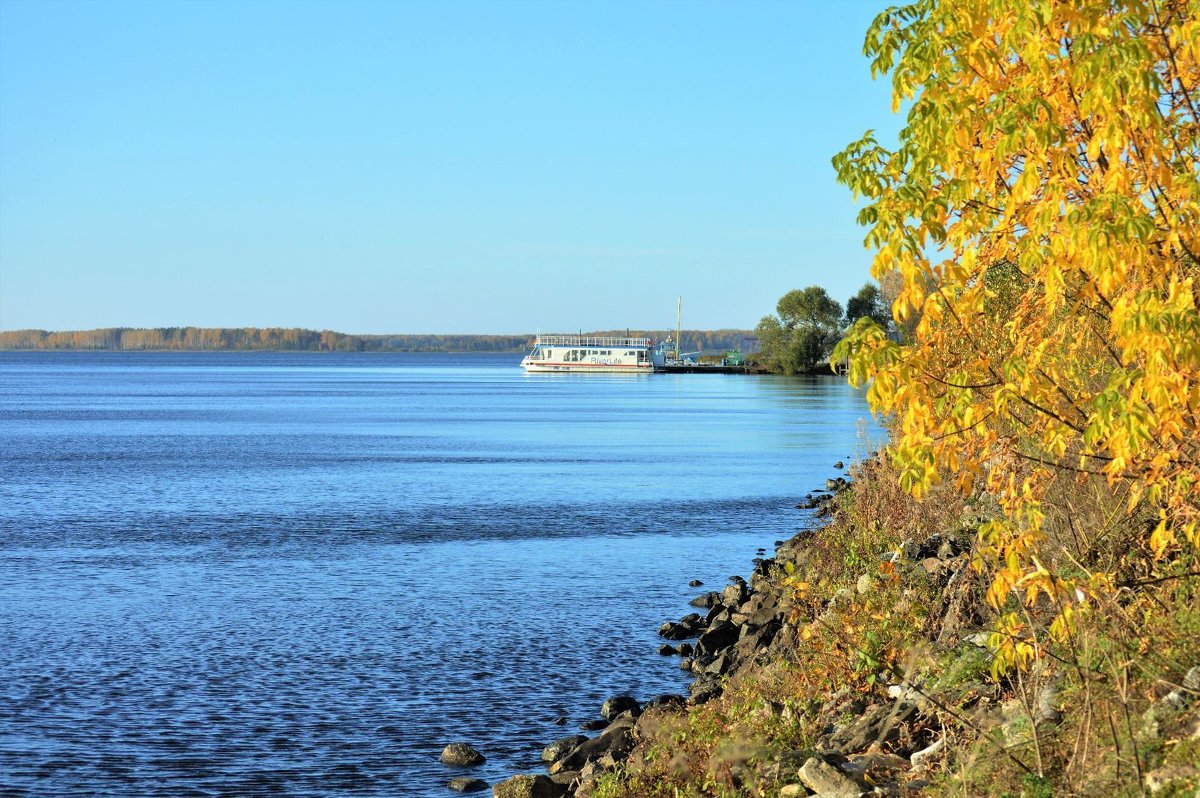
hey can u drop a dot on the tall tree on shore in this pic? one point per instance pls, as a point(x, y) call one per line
point(868, 303)
point(803, 331)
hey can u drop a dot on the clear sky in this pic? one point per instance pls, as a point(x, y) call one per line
point(446, 166)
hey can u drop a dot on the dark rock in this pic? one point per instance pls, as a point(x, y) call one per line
point(723, 664)
point(685, 664)
point(704, 689)
point(734, 595)
point(685, 649)
point(706, 600)
point(628, 717)
point(677, 631)
point(737, 580)
point(765, 635)
point(529, 786)
point(561, 720)
point(718, 614)
point(718, 637)
point(467, 784)
point(839, 465)
point(695, 583)
point(616, 740)
point(562, 746)
point(567, 777)
point(461, 755)
point(877, 724)
point(593, 725)
point(665, 700)
point(666, 650)
point(619, 704)
point(778, 543)
point(691, 619)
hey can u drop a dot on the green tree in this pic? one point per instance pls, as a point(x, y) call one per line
point(805, 329)
point(868, 303)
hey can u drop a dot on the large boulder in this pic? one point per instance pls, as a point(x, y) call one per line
point(880, 723)
point(666, 700)
point(734, 594)
point(617, 740)
point(827, 781)
point(720, 636)
point(561, 746)
point(677, 631)
point(529, 786)
point(706, 600)
point(617, 705)
point(461, 755)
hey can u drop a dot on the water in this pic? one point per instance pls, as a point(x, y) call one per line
point(304, 574)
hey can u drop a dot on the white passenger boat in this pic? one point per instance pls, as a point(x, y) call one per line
point(580, 353)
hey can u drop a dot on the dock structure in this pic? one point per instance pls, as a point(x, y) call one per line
point(707, 368)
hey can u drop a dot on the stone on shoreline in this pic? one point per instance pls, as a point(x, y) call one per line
point(529, 786)
point(616, 740)
point(618, 705)
point(561, 746)
point(827, 781)
point(677, 631)
point(461, 755)
point(666, 700)
point(467, 784)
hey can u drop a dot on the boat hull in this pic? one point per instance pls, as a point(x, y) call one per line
point(587, 368)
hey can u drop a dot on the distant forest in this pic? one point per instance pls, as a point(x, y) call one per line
point(231, 339)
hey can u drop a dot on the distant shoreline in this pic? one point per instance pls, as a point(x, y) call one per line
point(295, 339)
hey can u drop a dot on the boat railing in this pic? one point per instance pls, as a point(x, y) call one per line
point(586, 340)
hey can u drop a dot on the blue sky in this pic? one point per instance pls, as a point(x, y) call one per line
point(427, 167)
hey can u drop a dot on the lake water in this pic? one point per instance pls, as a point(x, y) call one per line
point(304, 574)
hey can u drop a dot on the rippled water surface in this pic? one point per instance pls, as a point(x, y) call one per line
point(303, 574)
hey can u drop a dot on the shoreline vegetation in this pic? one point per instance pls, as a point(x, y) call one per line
point(293, 339)
point(858, 660)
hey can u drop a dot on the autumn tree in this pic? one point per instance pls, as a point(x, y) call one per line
point(1042, 213)
point(803, 331)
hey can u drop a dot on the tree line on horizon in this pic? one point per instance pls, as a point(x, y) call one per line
point(294, 339)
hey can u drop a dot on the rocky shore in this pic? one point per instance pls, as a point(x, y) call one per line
point(734, 628)
point(794, 668)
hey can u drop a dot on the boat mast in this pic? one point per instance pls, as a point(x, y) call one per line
point(679, 329)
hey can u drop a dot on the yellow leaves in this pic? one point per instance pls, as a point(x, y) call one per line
point(1010, 649)
point(1162, 538)
point(1063, 329)
point(1024, 188)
